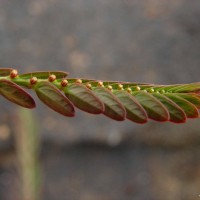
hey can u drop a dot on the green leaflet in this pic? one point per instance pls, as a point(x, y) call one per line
point(186, 88)
point(5, 71)
point(134, 111)
point(166, 88)
point(178, 88)
point(140, 86)
point(44, 74)
point(154, 108)
point(113, 107)
point(83, 98)
point(54, 99)
point(177, 115)
point(191, 97)
point(190, 110)
point(73, 80)
point(16, 94)
point(114, 84)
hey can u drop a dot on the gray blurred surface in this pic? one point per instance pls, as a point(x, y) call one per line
point(146, 41)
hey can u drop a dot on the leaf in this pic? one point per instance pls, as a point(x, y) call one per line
point(5, 71)
point(190, 110)
point(191, 97)
point(135, 86)
point(83, 98)
point(166, 88)
point(186, 88)
point(177, 115)
point(113, 107)
point(54, 99)
point(134, 111)
point(114, 84)
point(16, 94)
point(44, 74)
point(154, 108)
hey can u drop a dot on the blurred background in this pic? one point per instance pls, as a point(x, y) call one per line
point(92, 157)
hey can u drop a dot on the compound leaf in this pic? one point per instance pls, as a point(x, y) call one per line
point(115, 99)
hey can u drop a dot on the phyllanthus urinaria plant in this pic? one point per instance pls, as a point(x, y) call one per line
point(117, 100)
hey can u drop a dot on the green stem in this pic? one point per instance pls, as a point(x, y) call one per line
point(27, 152)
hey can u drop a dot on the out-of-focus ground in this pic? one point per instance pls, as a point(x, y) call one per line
point(92, 157)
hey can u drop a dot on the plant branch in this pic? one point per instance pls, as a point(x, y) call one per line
point(117, 100)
